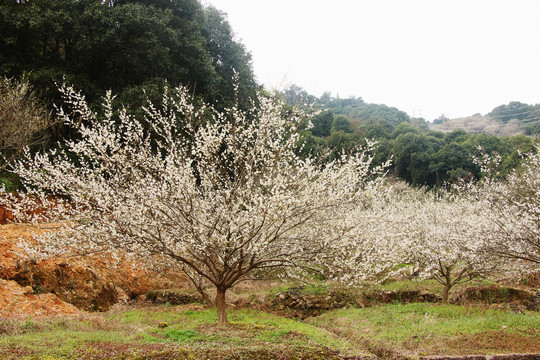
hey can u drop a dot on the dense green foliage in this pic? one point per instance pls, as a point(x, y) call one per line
point(123, 45)
point(419, 156)
point(134, 48)
point(527, 116)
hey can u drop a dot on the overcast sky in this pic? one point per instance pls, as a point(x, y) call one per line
point(425, 57)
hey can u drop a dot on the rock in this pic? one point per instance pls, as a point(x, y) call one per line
point(172, 296)
point(494, 294)
point(402, 296)
point(27, 290)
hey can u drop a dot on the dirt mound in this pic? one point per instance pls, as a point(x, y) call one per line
point(5, 215)
point(17, 301)
point(91, 283)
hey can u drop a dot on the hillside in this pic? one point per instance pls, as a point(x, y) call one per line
point(60, 286)
point(504, 120)
point(477, 124)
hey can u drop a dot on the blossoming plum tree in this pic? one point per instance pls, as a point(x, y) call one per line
point(444, 236)
point(512, 205)
point(218, 195)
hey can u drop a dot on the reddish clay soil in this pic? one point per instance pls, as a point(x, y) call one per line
point(69, 285)
point(20, 302)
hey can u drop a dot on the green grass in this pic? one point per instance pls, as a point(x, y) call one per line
point(143, 333)
point(182, 335)
point(191, 332)
point(272, 328)
point(427, 328)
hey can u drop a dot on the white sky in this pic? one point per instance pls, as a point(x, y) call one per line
point(425, 57)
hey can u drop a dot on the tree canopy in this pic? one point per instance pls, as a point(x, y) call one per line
point(218, 195)
point(119, 45)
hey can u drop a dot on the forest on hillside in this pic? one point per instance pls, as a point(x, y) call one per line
point(136, 47)
point(420, 155)
point(504, 120)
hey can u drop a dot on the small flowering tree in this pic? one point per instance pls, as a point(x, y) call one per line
point(22, 119)
point(443, 236)
point(512, 205)
point(372, 249)
point(218, 195)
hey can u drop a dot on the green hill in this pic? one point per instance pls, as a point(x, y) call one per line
point(505, 120)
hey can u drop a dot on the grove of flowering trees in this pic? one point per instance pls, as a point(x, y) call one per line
point(218, 195)
point(222, 195)
point(442, 235)
point(512, 206)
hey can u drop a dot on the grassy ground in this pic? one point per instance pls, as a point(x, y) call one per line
point(163, 332)
point(395, 331)
point(189, 332)
point(428, 329)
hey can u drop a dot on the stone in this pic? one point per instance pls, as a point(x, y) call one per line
point(27, 290)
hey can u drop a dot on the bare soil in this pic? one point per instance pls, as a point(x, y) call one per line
point(90, 283)
point(20, 302)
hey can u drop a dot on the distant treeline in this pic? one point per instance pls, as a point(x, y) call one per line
point(124, 46)
point(419, 156)
point(527, 116)
point(505, 120)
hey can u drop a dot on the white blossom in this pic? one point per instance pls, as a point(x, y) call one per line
point(512, 205)
point(219, 194)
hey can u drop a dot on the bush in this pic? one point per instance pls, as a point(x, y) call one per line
point(22, 119)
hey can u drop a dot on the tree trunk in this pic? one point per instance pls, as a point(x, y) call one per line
point(221, 306)
point(445, 293)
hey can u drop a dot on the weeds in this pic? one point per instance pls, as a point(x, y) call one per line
point(432, 329)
